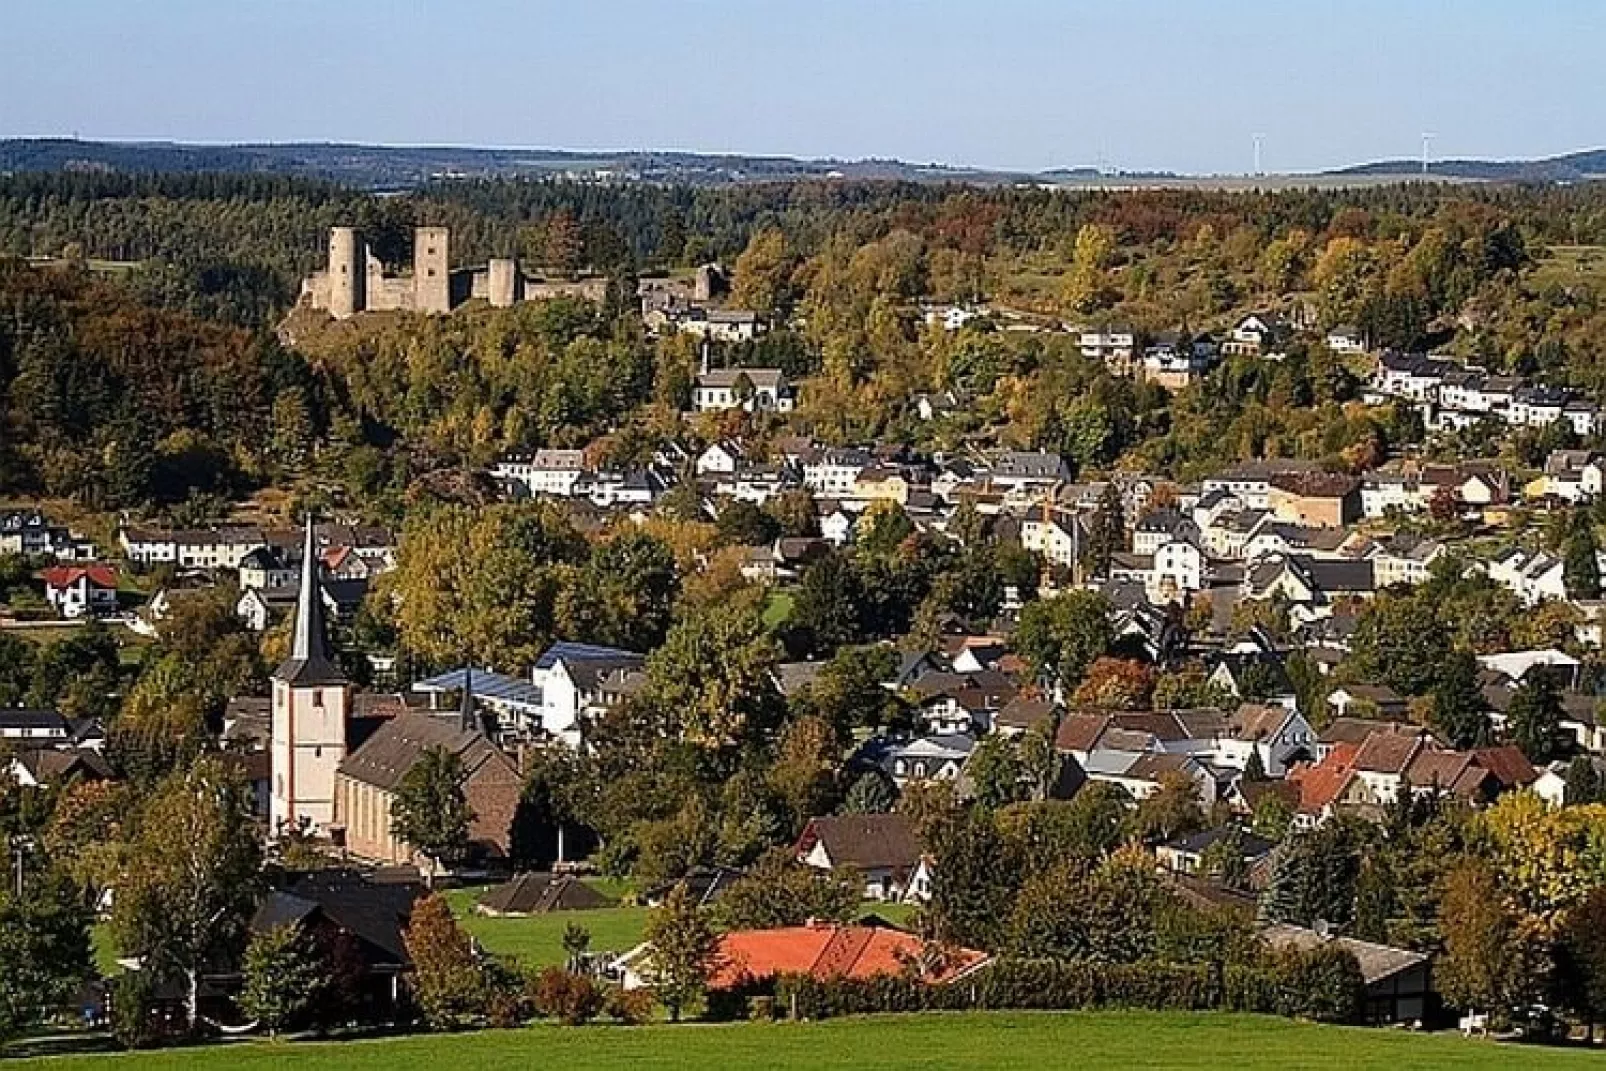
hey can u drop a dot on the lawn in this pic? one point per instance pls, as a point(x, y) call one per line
point(1031, 1042)
point(538, 939)
point(778, 609)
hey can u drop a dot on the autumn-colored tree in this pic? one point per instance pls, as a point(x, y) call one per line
point(448, 981)
point(1116, 684)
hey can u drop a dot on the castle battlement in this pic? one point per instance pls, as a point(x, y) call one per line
point(356, 281)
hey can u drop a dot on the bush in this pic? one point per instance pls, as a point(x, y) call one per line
point(629, 1006)
point(133, 1024)
point(570, 998)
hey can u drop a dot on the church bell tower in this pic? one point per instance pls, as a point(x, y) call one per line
point(311, 699)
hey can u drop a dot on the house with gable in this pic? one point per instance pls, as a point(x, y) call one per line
point(570, 677)
point(882, 849)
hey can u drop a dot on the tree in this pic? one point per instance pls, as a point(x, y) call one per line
point(448, 981)
point(188, 883)
point(1107, 533)
point(995, 771)
point(1581, 565)
point(803, 777)
point(283, 977)
point(711, 683)
point(1459, 710)
point(1062, 636)
point(1582, 957)
point(762, 274)
point(44, 951)
point(974, 880)
point(685, 951)
point(740, 523)
point(1255, 767)
point(1171, 810)
point(1116, 684)
point(1533, 720)
point(1399, 640)
point(431, 810)
point(871, 793)
point(827, 608)
point(779, 891)
point(576, 943)
point(1477, 969)
point(1583, 782)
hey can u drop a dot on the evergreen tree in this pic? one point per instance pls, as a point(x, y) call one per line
point(1583, 782)
point(872, 793)
point(1459, 710)
point(283, 977)
point(44, 950)
point(1533, 720)
point(1581, 566)
point(1107, 533)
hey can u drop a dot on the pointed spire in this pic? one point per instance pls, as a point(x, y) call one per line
point(310, 661)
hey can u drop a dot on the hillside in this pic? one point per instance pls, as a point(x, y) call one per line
point(1584, 166)
point(397, 167)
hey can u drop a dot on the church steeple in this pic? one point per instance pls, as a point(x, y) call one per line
point(310, 661)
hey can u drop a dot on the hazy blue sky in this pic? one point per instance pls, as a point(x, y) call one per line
point(1177, 84)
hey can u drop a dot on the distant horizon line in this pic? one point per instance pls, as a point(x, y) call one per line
point(979, 169)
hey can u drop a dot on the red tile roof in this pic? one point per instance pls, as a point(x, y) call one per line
point(1321, 784)
point(830, 951)
point(62, 576)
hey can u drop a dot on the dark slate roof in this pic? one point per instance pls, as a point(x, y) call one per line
point(311, 663)
point(1251, 846)
point(395, 746)
point(864, 841)
point(25, 720)
point(375, 912)
point(539, 893)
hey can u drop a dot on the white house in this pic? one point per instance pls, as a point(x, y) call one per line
point(721, 459)
point(834, 473)
point(546, 472)
point(75, 591)
point(752, 389)
point(571, 677)
point(1059, 538)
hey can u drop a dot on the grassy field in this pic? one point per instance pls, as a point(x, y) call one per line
point(1004, 1041)
point(1573, 265)
point(778, 608)
point(538, 940)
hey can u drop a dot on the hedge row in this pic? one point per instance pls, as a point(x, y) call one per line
point(1324, 985)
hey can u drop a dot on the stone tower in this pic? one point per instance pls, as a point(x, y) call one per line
point(310, 705)
point(347, 273)
point(432, 281)
point(501, 282)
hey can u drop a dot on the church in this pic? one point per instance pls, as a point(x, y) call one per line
point(329, 785)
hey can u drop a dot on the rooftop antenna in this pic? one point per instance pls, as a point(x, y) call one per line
point(1258, 139)
point(1427, 140)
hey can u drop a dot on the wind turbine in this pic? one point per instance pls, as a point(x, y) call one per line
point(1427, 139)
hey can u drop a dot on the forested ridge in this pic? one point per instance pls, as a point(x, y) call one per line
point(98, 359)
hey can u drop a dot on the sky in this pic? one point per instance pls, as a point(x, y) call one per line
point(1178, 85)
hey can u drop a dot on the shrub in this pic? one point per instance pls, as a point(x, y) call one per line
point(133, 1025)
point(570, 998)
point(629, 1006)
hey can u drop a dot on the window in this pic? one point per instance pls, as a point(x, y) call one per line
point(317, 698)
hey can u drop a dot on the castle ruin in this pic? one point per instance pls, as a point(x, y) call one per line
point(356, 280)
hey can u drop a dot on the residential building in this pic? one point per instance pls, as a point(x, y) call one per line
point(752, 389)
